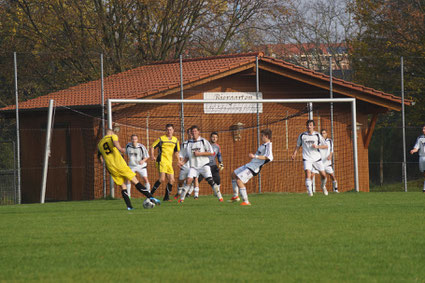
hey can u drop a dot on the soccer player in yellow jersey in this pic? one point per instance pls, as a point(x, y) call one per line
point(167, 146)
point(110, 152)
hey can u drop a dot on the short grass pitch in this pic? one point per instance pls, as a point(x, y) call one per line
point(281, 237)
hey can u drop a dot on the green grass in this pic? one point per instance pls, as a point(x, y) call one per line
point(412, 186)
point(347, 237)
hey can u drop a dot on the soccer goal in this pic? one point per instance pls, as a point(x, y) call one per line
point(238, 119)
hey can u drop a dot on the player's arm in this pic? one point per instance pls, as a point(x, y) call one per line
point(261, 157)
point(118, 146)
point(416, 147)
point(330, 155)
point(220, 158)
point(154, 145)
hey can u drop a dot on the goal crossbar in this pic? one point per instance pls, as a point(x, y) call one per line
point(352, 101)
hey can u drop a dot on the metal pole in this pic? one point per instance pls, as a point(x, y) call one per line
point(356, 163)
point(18, 144)
point(181, 97)
point(47, 151)
point(14, 171)
point(331, 94)
point(404, 126)
point(102, 93)
point(257, 78)
point(310, 110)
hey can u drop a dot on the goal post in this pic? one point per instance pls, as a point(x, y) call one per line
point(351, 101)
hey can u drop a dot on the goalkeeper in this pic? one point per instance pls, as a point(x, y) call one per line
point(215, 170)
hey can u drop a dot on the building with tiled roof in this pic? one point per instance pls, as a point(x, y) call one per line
point(74, 173)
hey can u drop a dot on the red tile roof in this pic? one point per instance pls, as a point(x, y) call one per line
point(158, 77)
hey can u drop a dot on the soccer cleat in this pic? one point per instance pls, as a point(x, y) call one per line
point(310, 192)
point(325, 191)
point(155, 200)
point(180, 201)
point(130, 208)
point(195, 197)
point(245, 203)
point(176, 196)
point(336, 191)
point(220, 200)
point(234, 199)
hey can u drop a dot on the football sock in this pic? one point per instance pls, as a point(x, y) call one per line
point(143, 190)
point(129, 189)
point(424, 187)
point(323, 184)
point(148, 186)
point(179, 190)
point(235, 188)
point(184, 191)
point(155, 187)
point(335, 185)
point(216, 189)
point(244, 194)
point(308, 185)
point(126, 198)
point(190, 189)
point(167, 191)
point(196, 190)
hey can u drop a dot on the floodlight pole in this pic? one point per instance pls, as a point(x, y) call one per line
point(331, 95)
point(102, 94)
point(47, 151)
point(257, 79)
point(181, 97)
point(18, 143)
point(404, 126)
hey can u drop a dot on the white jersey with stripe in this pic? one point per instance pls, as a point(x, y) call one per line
point(307, 140)
point(136, 154)
point(200, 145)
point(264, 150)
point(182, 154)
point(324, 153)
point(420, 145)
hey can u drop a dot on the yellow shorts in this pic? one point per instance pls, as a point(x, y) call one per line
point(164, 167)
point(123, 175)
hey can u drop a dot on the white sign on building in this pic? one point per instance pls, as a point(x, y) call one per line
point(232, 108)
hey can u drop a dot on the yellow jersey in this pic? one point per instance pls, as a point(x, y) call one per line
point(166, 148)
point(114, 161)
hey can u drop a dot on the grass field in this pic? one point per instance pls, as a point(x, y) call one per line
point(378, 237)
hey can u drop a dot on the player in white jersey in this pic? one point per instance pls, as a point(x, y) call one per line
point(196, 153)
point(137, 157)
point(327, 160)
point(311, 142)
point(243, 174)
point(420, 148)
point(184, 169)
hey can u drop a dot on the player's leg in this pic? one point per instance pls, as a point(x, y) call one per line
point(142, 189)
point(206, 172)
point(158, 182)
point(334, 182)
point(308, 182)
point(422, 169)
point(216, 175)
point(323, 182)
point(169, 188)
point(125, 196)
point(128, 188)
point(189, 181)
point(243, 175)
point(235, 187)
point(196, 189)
point(191, 187)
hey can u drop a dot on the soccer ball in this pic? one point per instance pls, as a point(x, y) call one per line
point(148, 204)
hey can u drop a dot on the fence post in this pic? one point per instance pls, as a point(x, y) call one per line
point(404, 173)
point(18, 144)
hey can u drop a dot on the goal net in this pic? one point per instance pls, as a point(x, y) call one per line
point(238, 121)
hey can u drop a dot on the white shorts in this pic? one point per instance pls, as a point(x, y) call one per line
point(422, 163)
point(184, 172)
point(204, 171)
point(310, 165)
point(139, 169)
point(328, 168)
point(244, 174)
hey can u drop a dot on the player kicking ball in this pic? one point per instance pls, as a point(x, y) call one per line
point(184, 169)
point(420, 148)
point(243, 174)
point(137, 158)
point(311, 142)
point(327, 160)
point(197, 152)
point(110, 152)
